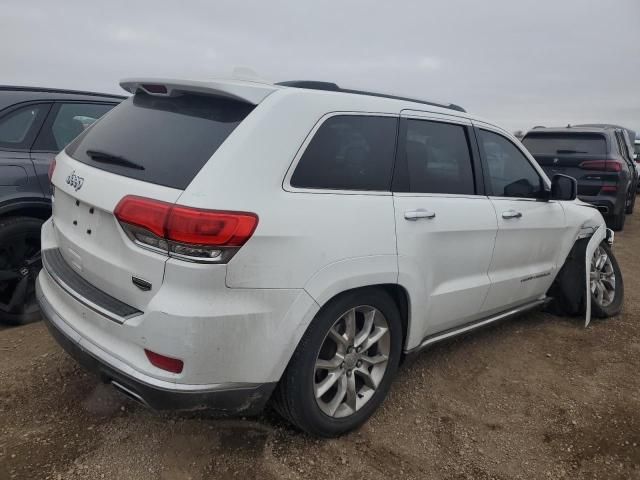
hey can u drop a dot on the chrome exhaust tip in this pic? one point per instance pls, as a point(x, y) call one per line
point(129, 393)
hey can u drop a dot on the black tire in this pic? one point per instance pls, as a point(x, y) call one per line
point(19, 247)
point(616, 222)
point(615, 306)
point(632, 202)
point(294, 397)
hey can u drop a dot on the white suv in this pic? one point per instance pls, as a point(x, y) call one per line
point(217, 244)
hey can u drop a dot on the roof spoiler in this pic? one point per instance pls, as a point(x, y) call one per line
point(243, 91)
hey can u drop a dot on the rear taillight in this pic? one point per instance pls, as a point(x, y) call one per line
point(189, 233)
point(173, 365)
point(603, 165)
point(52, 167)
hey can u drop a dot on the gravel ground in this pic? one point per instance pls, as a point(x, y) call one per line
point(537, 397)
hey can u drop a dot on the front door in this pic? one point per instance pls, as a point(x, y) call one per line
point(445, 226)
point(530, 229)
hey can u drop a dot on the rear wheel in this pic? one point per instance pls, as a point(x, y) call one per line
point(631, 202)
point(607, 288)
point(19, 266)
point(343, 367)
point(616, 222)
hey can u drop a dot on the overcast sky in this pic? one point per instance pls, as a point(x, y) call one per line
point(517, 62)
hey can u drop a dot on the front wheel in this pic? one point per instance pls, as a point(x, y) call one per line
point(605, 278)
point(343, 367)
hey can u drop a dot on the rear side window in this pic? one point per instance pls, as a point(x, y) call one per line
point(73, 118)
point(161, 140)
point(349, 152)
point(565, 143)
point(438, 159)
point(69, 120)
point(15, 127)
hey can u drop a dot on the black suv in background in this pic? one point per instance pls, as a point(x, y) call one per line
point(35, 124)
point(598, 158)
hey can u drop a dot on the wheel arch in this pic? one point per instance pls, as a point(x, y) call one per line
point(31, 207)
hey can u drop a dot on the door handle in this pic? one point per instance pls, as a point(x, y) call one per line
point(511, 214)
point(414, 215)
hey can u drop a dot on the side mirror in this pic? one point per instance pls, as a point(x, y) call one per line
point(563, 187)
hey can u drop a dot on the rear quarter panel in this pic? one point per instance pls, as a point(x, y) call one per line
point(301, 236)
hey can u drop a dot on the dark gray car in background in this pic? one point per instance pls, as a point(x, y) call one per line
point(598, 158)
point(35, 124)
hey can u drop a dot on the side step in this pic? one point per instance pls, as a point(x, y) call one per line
point(452, 332)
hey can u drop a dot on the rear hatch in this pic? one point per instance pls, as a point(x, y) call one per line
point(577, 154)
point(150, 147)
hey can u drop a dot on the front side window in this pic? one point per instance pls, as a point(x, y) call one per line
point(438, 159)
point(510, 173)
point(349, 152)
point(16, 125)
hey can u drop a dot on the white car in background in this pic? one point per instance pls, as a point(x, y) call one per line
point(217, 244)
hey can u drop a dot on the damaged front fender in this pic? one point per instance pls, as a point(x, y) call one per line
point(598, 236)
point(571, 289)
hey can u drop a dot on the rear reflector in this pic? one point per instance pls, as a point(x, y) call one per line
point(186, 232)
point(604, 165)
point(609, 189)
point(163, 362)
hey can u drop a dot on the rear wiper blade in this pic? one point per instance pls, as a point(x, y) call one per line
point(569, 151)
point(105, 157)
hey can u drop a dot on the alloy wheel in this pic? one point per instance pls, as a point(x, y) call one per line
point(602, 278)
point(20, 263)
point(352, 361)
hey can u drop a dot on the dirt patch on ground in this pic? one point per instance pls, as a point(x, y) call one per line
point(538, 397)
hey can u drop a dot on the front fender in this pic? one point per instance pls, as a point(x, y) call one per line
point(598, 236)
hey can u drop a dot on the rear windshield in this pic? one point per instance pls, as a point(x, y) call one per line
point(565, 143)
point(162, 140)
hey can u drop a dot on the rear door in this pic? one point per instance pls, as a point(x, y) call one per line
point(149, 147)
point(577, 154)
point(65, 121)
point(525, 258)
point(445, 225)
point(18, 128)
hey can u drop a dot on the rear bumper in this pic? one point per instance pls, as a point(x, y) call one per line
point(606, 205)
point(243, 399)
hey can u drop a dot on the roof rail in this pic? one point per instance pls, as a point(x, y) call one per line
point(332, 87)
point(59, 90)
